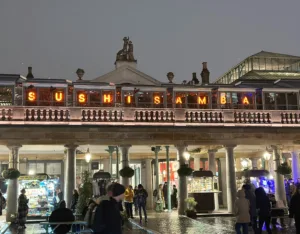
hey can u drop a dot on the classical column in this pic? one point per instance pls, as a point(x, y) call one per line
point(230, 178)
point(196, 162)
point(279, 179)
point(295, 165)
point(70, 173)
point(254, 163)
point(146, 177)
point(168, 178)
point(203, 160)
point(125, 162)
point(110, 151)
point(156, 151)
point(212, 160)
point(13, 185)
point(106, 164)
point(182, 195)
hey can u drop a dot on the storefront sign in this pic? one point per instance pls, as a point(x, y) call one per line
point(223, 98)
point(128, 99)
point(156, 100)
point(31, 96)
point(82, 98)
point(178, 100)
point(202, 100)
point(107, 98)
point(245, 101)
point(59, 96)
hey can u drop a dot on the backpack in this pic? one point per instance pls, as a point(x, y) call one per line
point(155, 193)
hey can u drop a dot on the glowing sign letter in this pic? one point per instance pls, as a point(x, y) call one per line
point(82, 98)
point(245, 101)
point(178, 100)
point(31, 96)
point(202, 101)
point(223, 98)
point(58, 96)
point(128, 99)
point(106, 98)
point(156, 100)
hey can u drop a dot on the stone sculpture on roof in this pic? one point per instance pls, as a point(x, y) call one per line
point(126, 54)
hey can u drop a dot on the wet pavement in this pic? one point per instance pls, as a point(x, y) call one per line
point(173, 224)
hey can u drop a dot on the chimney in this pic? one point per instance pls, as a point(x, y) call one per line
point(195, 79)
point(29, 75)
point(205, 74)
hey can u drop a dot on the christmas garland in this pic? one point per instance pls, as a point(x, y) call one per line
point(184, 170)
point(127, 172)
point(284, 169)
point(11, 174)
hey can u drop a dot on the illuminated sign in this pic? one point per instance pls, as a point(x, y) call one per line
point(128, 99)
point(156, 100)
point(82, 98)
point(107, 98)
point(245, 101)
point(178, 100)
point(202, 101)
point(223, 98)
point(31, 96)
point(59, 96)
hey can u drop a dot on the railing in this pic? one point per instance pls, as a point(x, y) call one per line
point(140, 116)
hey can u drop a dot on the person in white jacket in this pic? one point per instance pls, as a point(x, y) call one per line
point(242, 208)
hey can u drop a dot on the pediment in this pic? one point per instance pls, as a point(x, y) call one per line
point(127, 74)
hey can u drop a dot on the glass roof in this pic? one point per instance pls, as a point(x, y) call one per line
point(266, 65)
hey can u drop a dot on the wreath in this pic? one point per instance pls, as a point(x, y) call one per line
point(127, 172)
point(11, 174)
point(284, 169)
point(184, 170)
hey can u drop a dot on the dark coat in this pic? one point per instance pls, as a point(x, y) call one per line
point(295, 207)
point(74, 201)
point(264, 206)
point(62, 215)
point(108, 219)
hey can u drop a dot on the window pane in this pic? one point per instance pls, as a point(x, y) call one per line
point(6, 96)
point(292, 101)
point(192, 100)
point(281, 101)
point(45, 97)
point(259, 102)
point(144, 99)
point(269, 101)
point(95, 98)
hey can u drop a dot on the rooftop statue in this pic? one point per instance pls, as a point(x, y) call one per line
point(126, 54)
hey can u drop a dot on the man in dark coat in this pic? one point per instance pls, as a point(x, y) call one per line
point(62, 214)
point(108, 219)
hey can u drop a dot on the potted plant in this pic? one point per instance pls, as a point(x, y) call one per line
point(284, 169)
point(190, 207)
point(127, 172)
point(11, 174)
point(184, 170)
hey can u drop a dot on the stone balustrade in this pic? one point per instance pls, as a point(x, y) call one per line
point(119, 115)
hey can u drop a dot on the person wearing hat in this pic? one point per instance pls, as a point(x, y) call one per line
point(107, 217)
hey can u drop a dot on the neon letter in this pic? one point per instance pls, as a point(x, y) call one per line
point(128, 99)
point(223, 98)
point(202, 101)
point(58, 96)
point(107, 98)
point(31, 96)
point(82, 98)
point(156, 100)
point(245, 101)
point(178, 100)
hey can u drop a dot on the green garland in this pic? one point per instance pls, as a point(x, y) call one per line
point(184, 170)
point(11, 174)
point(284, 169)
point(127, 172)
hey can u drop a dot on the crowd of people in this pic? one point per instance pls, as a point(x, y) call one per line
point(255, 204)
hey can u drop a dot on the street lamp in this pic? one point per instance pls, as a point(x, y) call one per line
point(186, 156)
point(267, 156)
point(244, 163)
point(88, 156)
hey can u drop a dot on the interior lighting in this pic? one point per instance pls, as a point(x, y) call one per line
point(31, 172)
point(267, 156)
point(88, 156)
point(186, 155)
point(244, 163)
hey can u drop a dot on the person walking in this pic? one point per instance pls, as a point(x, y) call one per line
point(135, 200)
point(128, 200)
point(264, 209)
point(74, 200)
point(107, 217)
point(141, 197)
point(2, 203)
point(165, 194)
point(174, 197)
point(250, 196)
point(61, 214)
point(294, 209)
point(160, 199)
point(242, 206)
point(22, 209)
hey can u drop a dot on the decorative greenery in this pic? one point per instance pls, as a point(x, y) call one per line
point(284, 169)
point(195, 151)
point(11, 174)
point(190, 207)
point(85, 192)
point(184, 170)
point(127, 172)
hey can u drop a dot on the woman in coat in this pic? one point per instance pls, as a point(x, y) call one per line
point(22, 208)
point(242, 207)
point(74, 200)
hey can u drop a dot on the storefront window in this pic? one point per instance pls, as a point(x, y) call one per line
point(292, 101)
point(259, 102)
point(6, 98)
point(144, 99)
point(169, 98)
point(192, 100)
point(95, 98)
point(269, 101)
point(281, 101)
point(44, 97)
point(225, 100)
point(129, 99)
